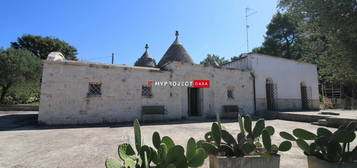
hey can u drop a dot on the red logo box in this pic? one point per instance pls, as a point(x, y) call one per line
point(149, 83)
point(201, 84)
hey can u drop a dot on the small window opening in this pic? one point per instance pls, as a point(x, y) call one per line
point(146, 91)
point(230, 94)
point(94, 89)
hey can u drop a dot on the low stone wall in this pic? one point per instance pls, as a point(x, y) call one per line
point(300, 117)
point(330, 121)
point(336, 122)
point(18, 108)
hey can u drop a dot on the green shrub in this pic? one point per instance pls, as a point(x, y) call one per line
point(23, 93)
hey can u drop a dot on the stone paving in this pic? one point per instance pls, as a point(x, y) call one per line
point(25, 144)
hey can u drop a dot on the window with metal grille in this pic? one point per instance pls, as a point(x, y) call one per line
point(94, 89)
point(146, 91)
point(230, 94)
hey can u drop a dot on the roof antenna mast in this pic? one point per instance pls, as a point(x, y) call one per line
point(247, 14)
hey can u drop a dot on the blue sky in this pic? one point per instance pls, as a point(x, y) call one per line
point(98, 28)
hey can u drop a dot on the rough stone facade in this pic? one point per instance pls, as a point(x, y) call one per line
point(65, 86)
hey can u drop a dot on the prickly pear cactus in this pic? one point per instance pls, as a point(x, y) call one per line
point(137, 134)
point(332, 147)
point(219, 141)
point(266, 140)
point(113, 163)
point(216, 133)
point(165, 153)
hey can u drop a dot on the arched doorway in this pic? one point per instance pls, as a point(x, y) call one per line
point(271, 93)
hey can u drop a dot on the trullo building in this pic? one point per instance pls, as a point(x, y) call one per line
point(77, 92)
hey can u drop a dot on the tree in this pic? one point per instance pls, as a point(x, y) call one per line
point(281, 38)
point(42, 46)
point(329, 36)
point(17, 65)
point(234, 58)
point(213, 60)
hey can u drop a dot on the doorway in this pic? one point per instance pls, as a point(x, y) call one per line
point(304, 97)
point(271, 91)
point(193, 101)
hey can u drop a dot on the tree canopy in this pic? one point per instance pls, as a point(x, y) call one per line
point(234, 58)
point(213, 60)
point(281, 38)
point(17, 65)
point(328, 36)
point(42, 46)
point(20, 66)
point(319, 32)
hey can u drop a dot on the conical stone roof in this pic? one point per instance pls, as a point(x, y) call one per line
point(145, 60)
point(176, 52)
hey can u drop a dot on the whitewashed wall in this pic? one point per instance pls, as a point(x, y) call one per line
point(287, 74)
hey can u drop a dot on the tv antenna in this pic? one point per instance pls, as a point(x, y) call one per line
point(248, 12)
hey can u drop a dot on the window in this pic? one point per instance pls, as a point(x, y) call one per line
point(230, 94)
point(146, 91)
point(94, 89)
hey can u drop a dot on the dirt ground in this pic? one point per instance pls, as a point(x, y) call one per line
point(25, 144)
